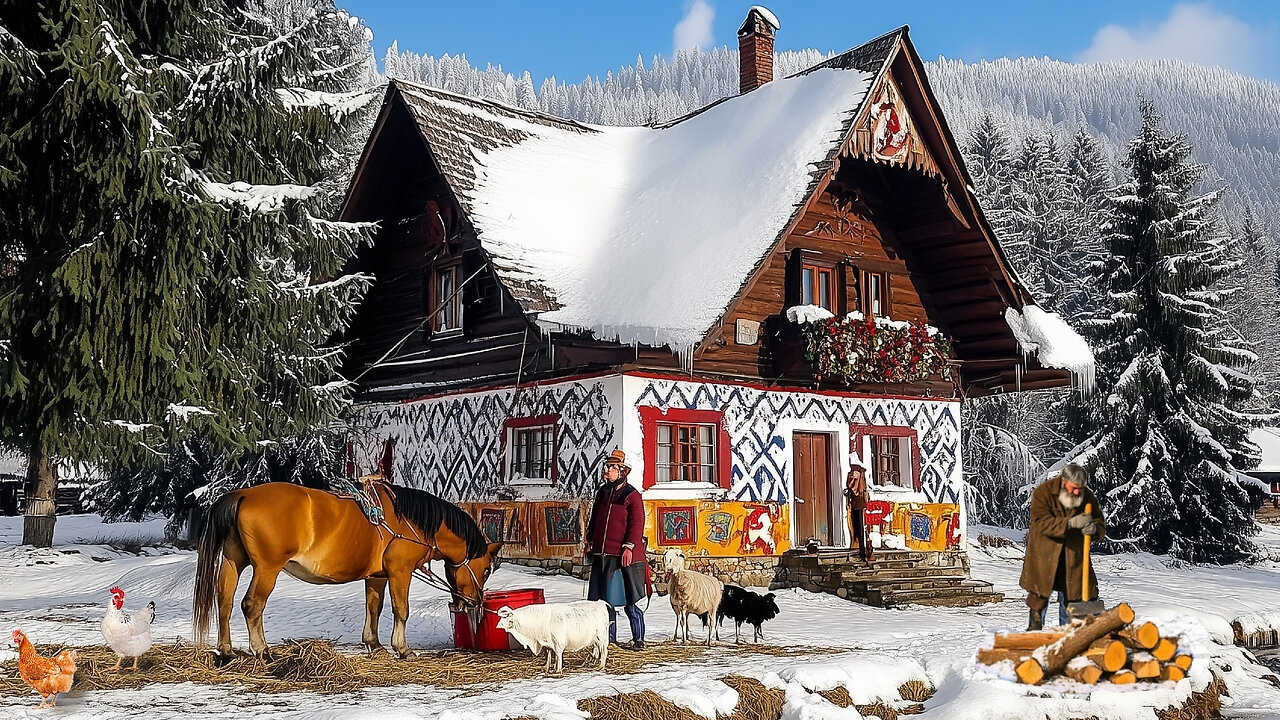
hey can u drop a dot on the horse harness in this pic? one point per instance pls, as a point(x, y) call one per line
point(370, 503)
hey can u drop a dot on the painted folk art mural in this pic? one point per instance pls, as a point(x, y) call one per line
point(718, 528)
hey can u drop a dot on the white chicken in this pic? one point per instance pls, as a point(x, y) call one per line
point(128, 635)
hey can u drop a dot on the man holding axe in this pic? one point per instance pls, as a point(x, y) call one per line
point(1065, 518)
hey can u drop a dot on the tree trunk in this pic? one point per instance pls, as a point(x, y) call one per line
point(41, 492)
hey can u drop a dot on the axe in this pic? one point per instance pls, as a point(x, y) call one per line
point(1086, 607)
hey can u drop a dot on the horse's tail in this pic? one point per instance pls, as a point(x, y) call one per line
point(218, 525)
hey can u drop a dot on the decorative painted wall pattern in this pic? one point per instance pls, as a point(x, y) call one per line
point(716, 528)
point(761, 453)
point(451, 446)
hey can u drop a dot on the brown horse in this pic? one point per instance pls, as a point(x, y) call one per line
point(323, 539)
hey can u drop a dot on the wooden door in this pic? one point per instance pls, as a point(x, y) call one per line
point(812, 463)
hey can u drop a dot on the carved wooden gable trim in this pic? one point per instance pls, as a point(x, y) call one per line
point(888, 134)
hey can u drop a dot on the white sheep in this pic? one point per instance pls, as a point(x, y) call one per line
point(557, 627)
point(691, 593)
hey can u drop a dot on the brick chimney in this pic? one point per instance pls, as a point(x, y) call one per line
point(755, 48)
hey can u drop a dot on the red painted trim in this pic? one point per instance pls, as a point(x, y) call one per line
point(552, 419)
point(650, 416)
point(857, 431)
point(776, 388)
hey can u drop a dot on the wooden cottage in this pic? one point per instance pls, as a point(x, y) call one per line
point(746, 300)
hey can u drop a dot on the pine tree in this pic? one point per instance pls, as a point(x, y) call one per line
point(1171, 439)
point(1089, 181)
point(166, 228)
point(990, 160)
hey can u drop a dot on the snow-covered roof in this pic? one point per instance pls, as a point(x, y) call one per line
point(640, 234)
point(1267, 438)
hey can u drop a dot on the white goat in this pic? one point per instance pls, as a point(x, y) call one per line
point(557, 627)
point(691, 593)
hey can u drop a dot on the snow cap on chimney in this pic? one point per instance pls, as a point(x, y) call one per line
point(755, 48)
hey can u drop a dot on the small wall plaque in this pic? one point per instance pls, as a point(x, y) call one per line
point(746, 332)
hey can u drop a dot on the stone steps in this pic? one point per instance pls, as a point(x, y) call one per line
point(893, 577)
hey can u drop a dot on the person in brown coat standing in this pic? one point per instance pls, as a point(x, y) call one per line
point(615, 547)
point(1055, 543)
point(855, 493)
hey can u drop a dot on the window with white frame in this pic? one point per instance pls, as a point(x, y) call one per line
point(531, 449)
point(686, 452)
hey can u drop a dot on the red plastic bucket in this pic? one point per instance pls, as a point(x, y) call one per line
point(487, 635)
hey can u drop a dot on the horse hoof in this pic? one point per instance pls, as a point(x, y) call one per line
point(405, 654)
point(377, 651)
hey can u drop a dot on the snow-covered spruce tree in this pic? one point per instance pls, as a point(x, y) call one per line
point(1171, 440)
point(1256, 305)
point(167, 232)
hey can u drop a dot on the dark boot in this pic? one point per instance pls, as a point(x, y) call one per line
point(1036, 622)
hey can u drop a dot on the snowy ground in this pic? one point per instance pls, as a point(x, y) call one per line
point(58, 595)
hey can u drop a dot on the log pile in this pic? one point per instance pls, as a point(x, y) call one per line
point(1108, 647)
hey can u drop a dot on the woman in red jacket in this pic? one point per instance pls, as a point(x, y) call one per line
point(615, 546)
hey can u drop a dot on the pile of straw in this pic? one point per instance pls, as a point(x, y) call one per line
point(314, 665)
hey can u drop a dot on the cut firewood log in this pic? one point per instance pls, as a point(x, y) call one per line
point(1108, 654)
point(1030, 672)
point(991, 656)
point(1169, 671)
point(1144, 666)
point(1051, 659)
point(1182, 660)
point(1026, 640)
point(1123, 677)
point(1165, 649)
point(1139, 637)
point(1082, 670)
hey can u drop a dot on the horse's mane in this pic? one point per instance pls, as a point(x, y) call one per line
point(428, 511)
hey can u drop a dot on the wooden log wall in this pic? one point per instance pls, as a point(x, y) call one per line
point(836, 233)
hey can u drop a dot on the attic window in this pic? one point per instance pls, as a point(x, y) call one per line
point(817, 283)
point(873, 293)
point(444, 296)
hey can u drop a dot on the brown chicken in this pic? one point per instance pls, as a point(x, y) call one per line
point(47, 676)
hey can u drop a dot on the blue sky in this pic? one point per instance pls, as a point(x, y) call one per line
point(573, 39)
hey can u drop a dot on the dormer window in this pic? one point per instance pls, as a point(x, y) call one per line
point(444, 296)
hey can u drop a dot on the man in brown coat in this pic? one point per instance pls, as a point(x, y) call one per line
point(1055, 543)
